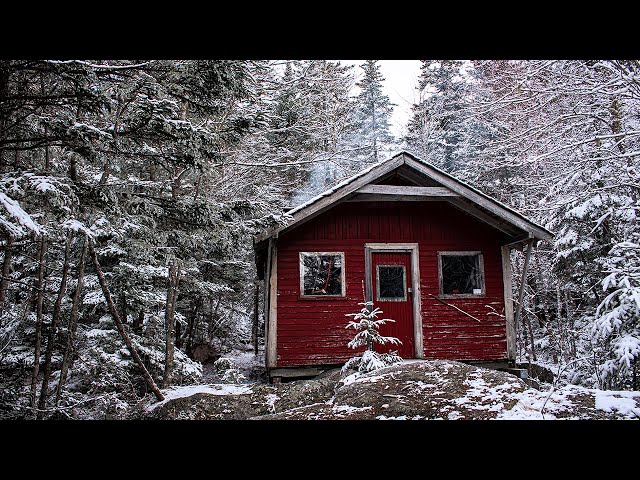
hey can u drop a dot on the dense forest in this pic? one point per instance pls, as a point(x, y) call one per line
point(131, 191)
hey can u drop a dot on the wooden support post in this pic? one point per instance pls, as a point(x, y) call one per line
point(525, 269)
point(518, 312)
point(256, 316)
point(272, 318)
point(266, 301)
point(508, 304)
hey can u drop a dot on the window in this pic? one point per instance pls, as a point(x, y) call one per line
point(322, 274)
point(461, 274)
point(391, 284)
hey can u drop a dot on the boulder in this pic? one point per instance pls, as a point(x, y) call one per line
point(204, 353)
point(418, 390)
point(238, 402)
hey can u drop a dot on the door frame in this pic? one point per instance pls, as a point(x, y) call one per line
point(412, 248)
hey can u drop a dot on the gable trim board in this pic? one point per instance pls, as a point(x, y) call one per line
point(452, 190)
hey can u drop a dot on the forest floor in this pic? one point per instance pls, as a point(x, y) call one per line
point(250, 365)
point(420, 390)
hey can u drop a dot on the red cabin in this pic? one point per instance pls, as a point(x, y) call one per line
point(432, 252)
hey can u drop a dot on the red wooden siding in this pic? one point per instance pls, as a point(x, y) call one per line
point(311, 331)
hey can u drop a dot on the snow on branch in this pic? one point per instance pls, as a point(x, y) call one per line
point(99, 67)
point(16, 214)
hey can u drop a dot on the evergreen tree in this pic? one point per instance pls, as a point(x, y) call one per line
point(130, 154)
point(438, 128)
point(371, 115)
point(367, 324)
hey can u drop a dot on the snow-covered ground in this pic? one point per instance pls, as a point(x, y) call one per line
point(414, 390)
point(190, 390)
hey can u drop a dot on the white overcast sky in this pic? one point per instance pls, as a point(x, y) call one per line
point(401, 80)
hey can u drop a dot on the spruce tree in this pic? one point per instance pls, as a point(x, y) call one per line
point(367, 324)
point(372, 114)
point(436, 131)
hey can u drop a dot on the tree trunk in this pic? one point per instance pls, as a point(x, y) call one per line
point(116, 317)
point(189, 335)
point(6, 270)
point(39, 303)
point(375, 134)
point(561, 332)
point(570, 324)
point(106, 172)
point(179, 172)
point(55, 320)
point(4, 110)
point(72, 172)
point(191, 329)
point(533, 347)
point(541, 294)
point(138, 322)
point(169, 322)
point(212, 316)
point(47, 156)
point(123, 306)
point(69, 350)
point(182, 337)
point(178, 335)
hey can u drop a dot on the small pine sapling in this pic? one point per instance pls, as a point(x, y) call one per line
point(367, 323)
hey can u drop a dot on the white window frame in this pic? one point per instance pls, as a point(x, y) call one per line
point(467, 254)
point(342, 274)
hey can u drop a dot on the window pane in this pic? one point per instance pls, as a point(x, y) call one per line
point(460, 274)
point(391, 282)
point(322, 274)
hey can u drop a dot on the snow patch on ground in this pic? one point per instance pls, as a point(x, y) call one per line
point(341, 411)
point(366, 377)
point(536, 405)
point(383, 417)
point(622, 401)
point(189, 390)
point(482, 397)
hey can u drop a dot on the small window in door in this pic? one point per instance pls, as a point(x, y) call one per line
point(391, 283)
point(461, 274)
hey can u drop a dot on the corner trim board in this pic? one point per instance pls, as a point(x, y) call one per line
point(272, 330)
point(508, 303)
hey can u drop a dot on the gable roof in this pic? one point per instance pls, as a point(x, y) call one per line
point(456, 192)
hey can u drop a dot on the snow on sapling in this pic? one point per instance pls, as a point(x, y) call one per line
point(617, 328)
point(367, 323)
